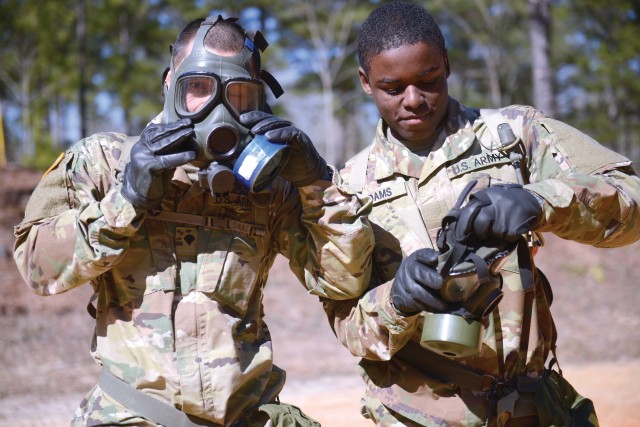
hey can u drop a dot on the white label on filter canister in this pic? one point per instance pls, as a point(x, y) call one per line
point(248, 166)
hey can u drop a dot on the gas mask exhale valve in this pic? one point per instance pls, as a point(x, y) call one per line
point(213, 90)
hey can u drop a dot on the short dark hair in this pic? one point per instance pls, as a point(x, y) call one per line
point(396, 24)
point(225, 35)
point(178, 49)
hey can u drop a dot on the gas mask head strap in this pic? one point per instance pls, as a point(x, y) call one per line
point(255, 47)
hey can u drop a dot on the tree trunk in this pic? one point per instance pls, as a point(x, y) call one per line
point(493, 75)
point(124, 39)
point(3, 145)
point(540, 34)
point(81, 35)
point(28, 144)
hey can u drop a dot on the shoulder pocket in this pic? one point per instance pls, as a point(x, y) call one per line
point(51, 196)
point(581, 151)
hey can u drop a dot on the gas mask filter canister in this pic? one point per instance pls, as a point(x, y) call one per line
point(260, 162)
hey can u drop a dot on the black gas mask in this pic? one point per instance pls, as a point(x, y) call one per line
point(213, 90)
point(471, 283)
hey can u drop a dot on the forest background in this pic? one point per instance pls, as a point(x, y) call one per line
point(74, 67)
point(70, 68)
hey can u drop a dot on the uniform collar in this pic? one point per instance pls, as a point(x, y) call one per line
point(393, 157)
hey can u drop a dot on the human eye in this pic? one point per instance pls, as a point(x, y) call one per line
point(430, 81)
point(392, 90)
point(199, 87)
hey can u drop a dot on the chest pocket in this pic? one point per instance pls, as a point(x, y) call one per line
point(228, 255)
point(231, 269)
point(394, 210)
point(149, 266)
point(398, 226)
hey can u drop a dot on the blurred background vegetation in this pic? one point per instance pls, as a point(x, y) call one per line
point(70, 68)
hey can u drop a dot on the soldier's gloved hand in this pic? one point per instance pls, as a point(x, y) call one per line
point(417, 284)
point(501, 212)
point(161, 148)
point(305, 165)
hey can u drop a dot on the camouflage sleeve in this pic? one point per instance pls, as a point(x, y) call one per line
point(77, 224)
point(590, 193)
point(328, 241)
point(369, 326)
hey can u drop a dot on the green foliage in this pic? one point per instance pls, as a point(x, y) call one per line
point(488, 50)
point(599, 51)
point(48, 67)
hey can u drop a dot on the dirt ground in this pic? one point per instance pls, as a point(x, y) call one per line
point(45, 367)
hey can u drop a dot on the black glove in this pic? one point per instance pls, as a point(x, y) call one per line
point(161, 148)
point(305, 165)
point(417, 284)
point(501, 212)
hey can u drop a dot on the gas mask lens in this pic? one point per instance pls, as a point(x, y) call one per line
point(197, 94)
point(242, 95)
point(194, 93)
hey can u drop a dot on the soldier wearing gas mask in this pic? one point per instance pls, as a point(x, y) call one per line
point(214, 116)
point(178, 236)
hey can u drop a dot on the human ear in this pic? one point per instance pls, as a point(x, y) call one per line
point(167, 79)
point(364, 81)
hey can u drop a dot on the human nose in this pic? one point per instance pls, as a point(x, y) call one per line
point(413, 98)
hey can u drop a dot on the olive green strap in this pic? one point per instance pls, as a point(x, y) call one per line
point(214, 222)
point(146, 406)
point(443, 368)
point(448, 370)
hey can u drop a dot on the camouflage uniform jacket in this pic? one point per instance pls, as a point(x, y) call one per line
point(179, 306)
point(590, 195)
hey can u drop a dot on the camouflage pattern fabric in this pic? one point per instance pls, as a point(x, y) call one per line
point(590, 195)
point(178, 306)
